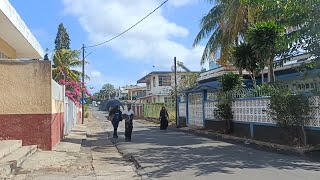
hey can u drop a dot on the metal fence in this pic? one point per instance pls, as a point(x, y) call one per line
point(240, 93)
point(153, 110)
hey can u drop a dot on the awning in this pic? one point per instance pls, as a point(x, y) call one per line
point(16, 33)
point(201, 88)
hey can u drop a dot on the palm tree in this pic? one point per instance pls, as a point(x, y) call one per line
point(64, 61)
point(244, 58)
point(224, 25)
point(266, 39)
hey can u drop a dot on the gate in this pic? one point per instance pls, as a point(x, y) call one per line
point(70, 115)
point(195, 110)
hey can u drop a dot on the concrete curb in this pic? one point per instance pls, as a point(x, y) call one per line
point(130, 158)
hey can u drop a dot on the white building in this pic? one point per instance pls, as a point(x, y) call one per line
point(159, 86)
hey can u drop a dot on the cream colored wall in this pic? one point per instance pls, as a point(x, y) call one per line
point(7, 49)
point(57, 106)
point(25, 87)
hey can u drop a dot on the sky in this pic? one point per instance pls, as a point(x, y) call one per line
point(150, 46)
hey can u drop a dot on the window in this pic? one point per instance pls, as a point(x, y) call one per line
point(164, 80)
point(168, 100)
point(154, 81)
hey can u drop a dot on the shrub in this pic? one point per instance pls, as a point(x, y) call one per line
point(224, 112)
point(290, 112)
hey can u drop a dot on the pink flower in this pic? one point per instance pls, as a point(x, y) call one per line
point(62, 82)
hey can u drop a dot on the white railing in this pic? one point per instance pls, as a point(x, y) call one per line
point(252, 110)
point(255, 110)
point(210, 107)
point(314, 120)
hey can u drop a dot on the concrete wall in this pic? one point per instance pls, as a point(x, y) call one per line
point(57, 118)
point(262, 132)
point(28, 111)
point(7, 49)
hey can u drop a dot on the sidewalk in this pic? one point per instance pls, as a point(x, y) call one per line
point(86, 153)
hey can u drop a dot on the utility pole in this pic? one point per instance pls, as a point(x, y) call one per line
point(82, 85)
point(175, 90)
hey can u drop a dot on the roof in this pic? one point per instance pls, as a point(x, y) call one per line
point(288, 67)
point(134, 88)
point(16, 33)
point(201, 87)
point(144, 79)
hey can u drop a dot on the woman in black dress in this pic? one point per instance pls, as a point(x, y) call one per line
point(164, 116)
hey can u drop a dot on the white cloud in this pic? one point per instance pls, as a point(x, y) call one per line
point(178, 3)
point(98, 79)
point(95, 74)
point(149, 42)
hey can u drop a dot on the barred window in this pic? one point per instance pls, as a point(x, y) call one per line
point(164, 80)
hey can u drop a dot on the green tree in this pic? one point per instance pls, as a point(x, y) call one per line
point(266, 39)
point(230, 82)
point(185, 81)
point(224, 24)
point(107, 91)
point(62, 40)
point(301, 19)
point(64, 61)
point(245, 58)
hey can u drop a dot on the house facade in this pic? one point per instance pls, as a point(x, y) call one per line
point(159, 85)
point(33, 106)
point(133, 93)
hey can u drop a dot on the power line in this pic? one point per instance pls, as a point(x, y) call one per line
point(129, 27)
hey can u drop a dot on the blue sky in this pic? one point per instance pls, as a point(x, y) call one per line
point(167, 33)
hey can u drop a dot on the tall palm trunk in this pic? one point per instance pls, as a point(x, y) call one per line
point(270, 71)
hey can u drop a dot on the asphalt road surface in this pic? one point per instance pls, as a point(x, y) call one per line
point(175, 155)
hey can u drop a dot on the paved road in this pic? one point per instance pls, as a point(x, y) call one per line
point(176, 155)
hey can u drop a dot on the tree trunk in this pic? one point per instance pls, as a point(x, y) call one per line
point(270, 71)
point(262, 77)
point(240, 72)
point(304, 136)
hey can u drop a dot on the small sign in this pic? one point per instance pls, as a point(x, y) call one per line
point(85, 100)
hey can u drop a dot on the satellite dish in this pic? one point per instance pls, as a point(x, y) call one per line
point(179, 69)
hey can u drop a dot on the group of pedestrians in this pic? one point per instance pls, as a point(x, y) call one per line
point(116, 116)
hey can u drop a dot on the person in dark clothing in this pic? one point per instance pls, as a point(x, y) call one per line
point(128, 116)
point(116, 117)
point(164, 116)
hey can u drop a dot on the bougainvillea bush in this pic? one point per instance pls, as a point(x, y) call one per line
point(73, 90)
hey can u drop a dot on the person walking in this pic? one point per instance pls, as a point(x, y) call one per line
point(128, 116)
point(164, 116)
point(116, 117)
